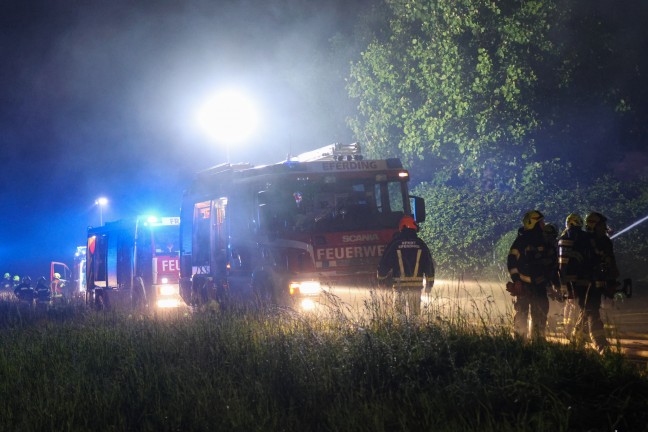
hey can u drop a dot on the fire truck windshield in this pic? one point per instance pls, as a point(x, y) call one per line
point(165, 239)
point(342, 205)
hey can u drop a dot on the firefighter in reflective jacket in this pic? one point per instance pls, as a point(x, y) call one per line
point(532, 265)
point(604, 274)
point(408, 262)
point(574, 263)
point(24, 291)
point(57, 285)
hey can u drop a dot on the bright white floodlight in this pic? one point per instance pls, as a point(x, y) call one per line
point(228, 117)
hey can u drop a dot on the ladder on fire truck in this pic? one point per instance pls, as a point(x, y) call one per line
point(331, 152)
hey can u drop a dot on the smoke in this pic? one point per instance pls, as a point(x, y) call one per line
point(98, 99)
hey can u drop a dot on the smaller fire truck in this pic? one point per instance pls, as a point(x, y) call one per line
point(133, 263)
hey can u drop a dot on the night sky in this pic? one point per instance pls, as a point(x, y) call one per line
point(98, 98)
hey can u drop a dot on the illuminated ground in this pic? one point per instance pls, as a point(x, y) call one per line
point(488, 303)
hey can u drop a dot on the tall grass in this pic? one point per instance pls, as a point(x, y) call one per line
point(271, 369)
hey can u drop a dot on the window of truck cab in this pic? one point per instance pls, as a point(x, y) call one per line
point(326, 205)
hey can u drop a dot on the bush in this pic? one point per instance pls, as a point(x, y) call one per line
point(469, 230)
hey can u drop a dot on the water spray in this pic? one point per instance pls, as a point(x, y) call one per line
point(629, 227)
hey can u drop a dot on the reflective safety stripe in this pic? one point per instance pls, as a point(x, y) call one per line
point(418, 260)
point(409, 281)
point(600, 284)
point(565, 242)
point(563, 260)
point(400, 263)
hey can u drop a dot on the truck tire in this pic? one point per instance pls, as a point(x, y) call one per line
point(101, 300)
point(199, 290)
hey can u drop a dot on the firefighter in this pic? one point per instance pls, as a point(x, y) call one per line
point(6, 282)
point(408, 262)
point(532, 265)
point(43, 293)
point(604, 274)
point(24, 291)
point(16, 281)
point(574, 263)
point(57, 285)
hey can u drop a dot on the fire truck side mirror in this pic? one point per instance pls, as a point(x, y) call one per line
point(418, 208)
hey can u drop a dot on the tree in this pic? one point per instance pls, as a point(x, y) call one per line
point(500, 107)
point(453, 84)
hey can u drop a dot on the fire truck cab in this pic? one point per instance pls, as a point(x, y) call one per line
point(285, 232)
point(66, 282)
point(133, 263)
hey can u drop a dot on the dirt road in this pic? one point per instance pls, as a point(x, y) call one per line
point(488, 303)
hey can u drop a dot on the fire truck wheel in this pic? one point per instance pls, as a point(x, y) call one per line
point(263, 290)
point(101, 301)
point(199, 290)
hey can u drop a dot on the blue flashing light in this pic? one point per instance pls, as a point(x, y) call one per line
point(290, 164)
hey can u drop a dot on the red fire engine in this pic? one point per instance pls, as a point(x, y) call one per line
point(134, 263)
point(287, 231)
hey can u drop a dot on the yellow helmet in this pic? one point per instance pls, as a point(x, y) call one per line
point(531, 219)
point(573, 220)
point(57, 275)
point(593, 219)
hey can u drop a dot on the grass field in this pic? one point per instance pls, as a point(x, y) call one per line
point(271, 369)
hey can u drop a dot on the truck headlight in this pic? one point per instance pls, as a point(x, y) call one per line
point(168, 303)
point(305, 288)
point(169, 290)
